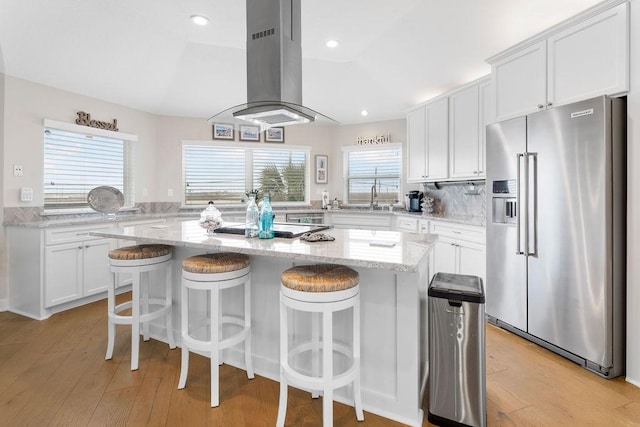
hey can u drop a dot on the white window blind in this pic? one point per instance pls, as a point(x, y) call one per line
point(214, 173)
point(280, 173)
point(74, 163)
point(224, 174)
point(377, 168)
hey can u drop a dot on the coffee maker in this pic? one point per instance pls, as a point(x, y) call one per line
point(413, 201)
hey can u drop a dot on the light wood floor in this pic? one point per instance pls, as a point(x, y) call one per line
point(54, 373)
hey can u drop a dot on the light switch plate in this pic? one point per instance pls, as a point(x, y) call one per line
point(26, 194)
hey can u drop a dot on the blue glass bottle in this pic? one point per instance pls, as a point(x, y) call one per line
point(252, 219)
point(266, 219)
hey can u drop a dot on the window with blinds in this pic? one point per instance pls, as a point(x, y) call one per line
point(224, 174)
point(374, 170)
point(75, 163)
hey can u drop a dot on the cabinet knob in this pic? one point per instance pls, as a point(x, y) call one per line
point(86, 246)
point(549, 104)
point(80, 247)
point(540, 106)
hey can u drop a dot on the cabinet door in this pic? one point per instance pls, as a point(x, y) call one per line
point(590, 58)
point(423, 226)
point(96, 275)
point(416, 146)
point(471, 259)
point(63, 278)
point(437, 140)
point(444, 256)
point(520, 82)
point(485, 118)
point(464, 129)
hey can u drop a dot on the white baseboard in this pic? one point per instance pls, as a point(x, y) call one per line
point(633, 381)
point(4, 304)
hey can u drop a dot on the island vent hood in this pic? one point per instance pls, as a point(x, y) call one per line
point(274, 68)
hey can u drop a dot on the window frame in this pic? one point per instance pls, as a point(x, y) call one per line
point(345, 168)
point(128, 160)
point(250, 146)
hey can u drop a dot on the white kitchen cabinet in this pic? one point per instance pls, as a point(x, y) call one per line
point(486, 117)
point(464, 133)
point(460, 249)
point(405, 223)
point(423, 226)
point(580, 59)
point(427, 148)
point(372, 221)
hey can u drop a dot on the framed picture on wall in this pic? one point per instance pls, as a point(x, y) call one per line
point(322, 169)
point(274, 135)
point(223, 131)
point(249, 133)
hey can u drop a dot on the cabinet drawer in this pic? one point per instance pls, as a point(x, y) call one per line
point(407, 224)
point(73, 234)
point(459, 231)
point(361, 221)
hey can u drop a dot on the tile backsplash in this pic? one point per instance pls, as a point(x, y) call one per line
point(460, 199)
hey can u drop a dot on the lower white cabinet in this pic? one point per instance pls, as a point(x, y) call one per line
point(377, 221)
point(404, 223)
point(460, 249)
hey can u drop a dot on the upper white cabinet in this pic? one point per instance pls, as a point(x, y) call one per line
point(446, 136)
point(427, 130)
point(464, 133)
point(583, 58)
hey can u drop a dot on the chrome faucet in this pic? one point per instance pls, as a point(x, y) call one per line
point(374, 195)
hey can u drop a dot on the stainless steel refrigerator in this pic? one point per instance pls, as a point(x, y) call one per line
point(556, 230)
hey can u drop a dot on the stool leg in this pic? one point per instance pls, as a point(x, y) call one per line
point(135, 320)
point(327, 368)
point(111, 309)
point(168, 300)
point(315, 350)
point(284, 349)
point(145, 284)
point(247, 325)
point(357, 398)
point(215, 339)
point(184, 308)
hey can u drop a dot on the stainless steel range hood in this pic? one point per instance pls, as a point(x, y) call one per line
point(274, 68)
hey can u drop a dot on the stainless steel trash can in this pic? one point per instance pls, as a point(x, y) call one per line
point(457, 387)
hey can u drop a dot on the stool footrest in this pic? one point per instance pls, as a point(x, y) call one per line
point(230, 341)
point(296, 378)
point(157, 309)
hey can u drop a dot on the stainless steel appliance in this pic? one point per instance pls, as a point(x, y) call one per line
point(457, 385)
point(556, 230)
point(413, 200)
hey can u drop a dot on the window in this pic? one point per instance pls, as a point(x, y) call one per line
point(373, 170)
point(224, 173)
point(74, 163)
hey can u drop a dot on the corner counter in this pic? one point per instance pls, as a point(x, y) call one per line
point(393, 286)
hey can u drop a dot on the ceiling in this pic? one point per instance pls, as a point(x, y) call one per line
point(147, 55)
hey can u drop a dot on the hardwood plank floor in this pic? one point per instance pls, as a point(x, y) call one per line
point(54, 373)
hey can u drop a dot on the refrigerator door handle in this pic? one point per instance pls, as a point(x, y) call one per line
point(519, 156)
point(532, 184)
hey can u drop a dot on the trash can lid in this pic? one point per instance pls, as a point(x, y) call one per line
point(458, 287)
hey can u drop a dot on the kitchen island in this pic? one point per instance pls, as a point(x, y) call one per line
point(393, 268)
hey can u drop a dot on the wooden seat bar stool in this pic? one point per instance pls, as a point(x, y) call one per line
point(213, 273)
point(322, 290)
point(137, 260)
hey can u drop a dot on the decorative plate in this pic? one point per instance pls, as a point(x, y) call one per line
point(105, 199)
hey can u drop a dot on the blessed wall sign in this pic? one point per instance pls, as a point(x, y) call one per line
point(84, 119)
point(375, 140)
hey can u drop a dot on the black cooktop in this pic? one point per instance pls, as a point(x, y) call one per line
point(281, 229)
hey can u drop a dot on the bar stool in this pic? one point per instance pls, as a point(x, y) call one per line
point(321, 290)
point(137, 260)
point(213, 273)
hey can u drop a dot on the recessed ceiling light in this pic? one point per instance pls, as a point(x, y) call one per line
point(199, 19)
point(364, 112)
point(332, 43)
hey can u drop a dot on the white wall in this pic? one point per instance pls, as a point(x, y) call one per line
point(3, 248)
point(633, 202)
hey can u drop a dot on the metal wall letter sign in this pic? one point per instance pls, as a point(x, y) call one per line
point(85, 120)
point(376, 140)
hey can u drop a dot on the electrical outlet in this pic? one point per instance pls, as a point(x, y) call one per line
point(18, 170)
point(26, 194)
point(170, 192)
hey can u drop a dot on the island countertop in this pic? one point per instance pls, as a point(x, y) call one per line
point(359, 248)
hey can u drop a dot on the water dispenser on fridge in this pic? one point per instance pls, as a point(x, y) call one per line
point(504, 202)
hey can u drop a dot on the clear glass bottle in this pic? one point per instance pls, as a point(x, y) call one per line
point(210, 218)
point(266, 219)
point(252, 219)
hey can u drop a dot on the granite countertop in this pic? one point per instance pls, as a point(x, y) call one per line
point(134, 216)
point(351, 247)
